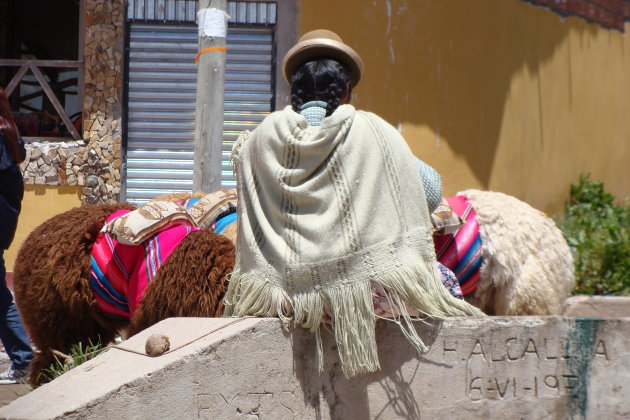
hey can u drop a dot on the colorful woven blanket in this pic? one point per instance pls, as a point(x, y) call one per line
point(461, 250)
point(133, 245)
point(121, 273)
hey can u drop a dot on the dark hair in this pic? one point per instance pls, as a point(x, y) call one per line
point(322, 79)
point(9, 129)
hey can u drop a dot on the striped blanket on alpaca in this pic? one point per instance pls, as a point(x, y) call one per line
point(461, 251)
point(121, 273)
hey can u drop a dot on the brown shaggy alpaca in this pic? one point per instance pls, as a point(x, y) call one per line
point(51, 284)
point(53, 293)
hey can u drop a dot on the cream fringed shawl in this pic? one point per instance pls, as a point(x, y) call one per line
point(323, 212)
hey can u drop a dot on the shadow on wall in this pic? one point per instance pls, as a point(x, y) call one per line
point(446, 64)
point(348, 398)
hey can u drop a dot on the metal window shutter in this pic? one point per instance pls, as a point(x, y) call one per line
point(161, 102)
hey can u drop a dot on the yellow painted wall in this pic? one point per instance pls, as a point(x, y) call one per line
point(494, 94)
point(40, 203)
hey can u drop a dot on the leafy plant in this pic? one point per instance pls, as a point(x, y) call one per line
point(78, 355)
point(598, 232)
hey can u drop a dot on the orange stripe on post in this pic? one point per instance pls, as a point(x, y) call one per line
point(224, 49)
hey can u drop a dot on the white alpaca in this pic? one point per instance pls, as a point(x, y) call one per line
point(527, 265)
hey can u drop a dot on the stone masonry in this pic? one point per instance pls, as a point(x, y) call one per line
point(94, 162)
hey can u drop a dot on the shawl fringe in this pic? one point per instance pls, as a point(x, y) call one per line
point(351, 308)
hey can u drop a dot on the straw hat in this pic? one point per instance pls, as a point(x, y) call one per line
point(322, 43)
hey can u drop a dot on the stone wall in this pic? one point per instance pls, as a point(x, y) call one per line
point(95, 166)
point(102, 107)
point(94, 162)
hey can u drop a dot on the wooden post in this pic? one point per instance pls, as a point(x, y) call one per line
point(210, 96)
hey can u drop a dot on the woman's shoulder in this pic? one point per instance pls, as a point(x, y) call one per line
point(6, 157)
point(272, 118)
point(247, 137)
point(284, 113)
point(375, 119)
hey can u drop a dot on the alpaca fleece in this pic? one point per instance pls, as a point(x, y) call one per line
point(527, 265)
point(190, 283)
point(52, 290)
point(51, 284)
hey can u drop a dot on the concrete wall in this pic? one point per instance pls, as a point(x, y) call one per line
point(490, 368)
point(495, 94)
point(599, 306)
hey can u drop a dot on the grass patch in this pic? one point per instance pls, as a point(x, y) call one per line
point(78, 355)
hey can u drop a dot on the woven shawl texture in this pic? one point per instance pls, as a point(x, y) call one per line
point(323, 212)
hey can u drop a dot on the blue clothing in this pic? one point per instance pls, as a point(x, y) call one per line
point(12, 332)
point(6, 161)
point(11, 193)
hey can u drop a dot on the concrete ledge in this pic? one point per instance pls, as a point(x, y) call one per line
point(521, 367)
point(599, 306)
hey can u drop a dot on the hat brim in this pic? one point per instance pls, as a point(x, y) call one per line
point(322, 47)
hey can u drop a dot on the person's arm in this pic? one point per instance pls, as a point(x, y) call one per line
point(20, 152)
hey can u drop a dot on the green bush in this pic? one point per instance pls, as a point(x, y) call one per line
point(598, 231)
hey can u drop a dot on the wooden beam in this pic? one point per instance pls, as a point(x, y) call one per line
point(16, 80)
point(30, 96)
point(53, 99)
point(40, 63)
point(58, 85)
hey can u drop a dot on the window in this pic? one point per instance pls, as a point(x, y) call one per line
point(162, 78)
point(41, 66)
